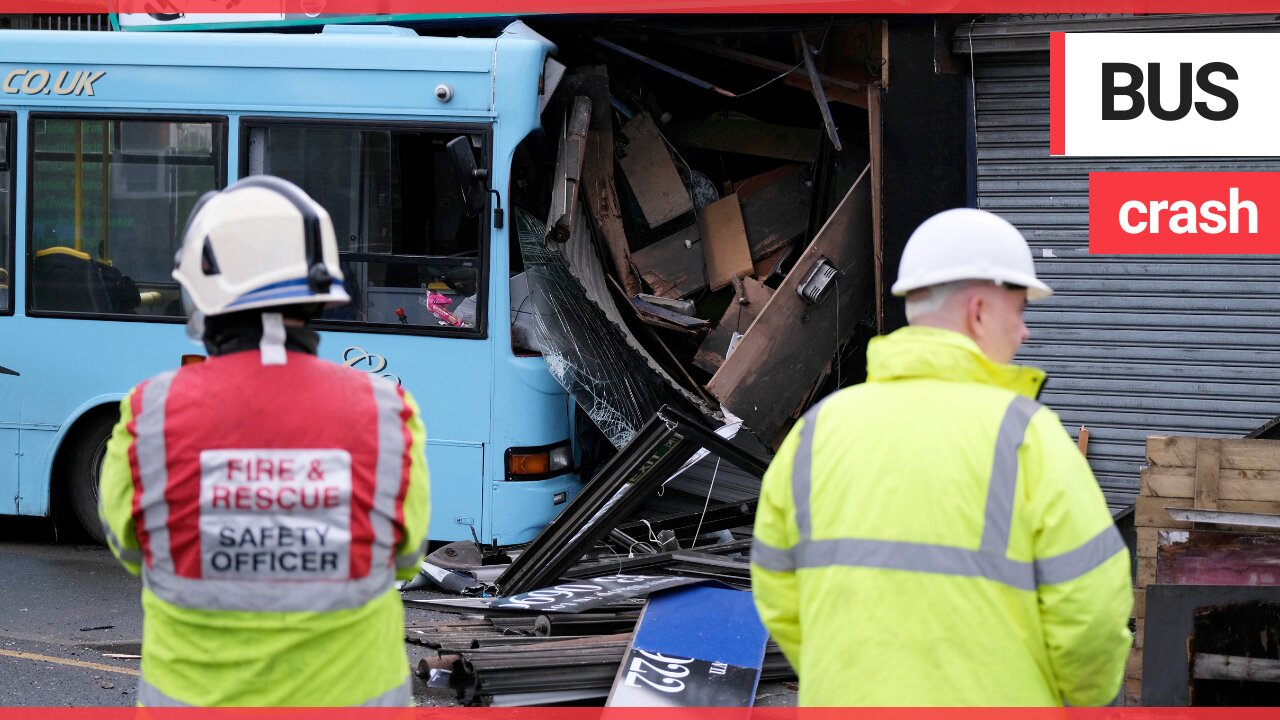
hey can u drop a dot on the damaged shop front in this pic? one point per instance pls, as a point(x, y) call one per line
point(714, 209)
point(703, 236)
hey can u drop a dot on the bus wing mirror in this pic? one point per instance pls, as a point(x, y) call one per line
point(471, 180)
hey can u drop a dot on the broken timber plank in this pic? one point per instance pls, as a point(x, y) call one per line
point(789, 344)
point(724, 242)
point(737, 318)
point(674, 267)
point(652, 173)
point(775, 209)
point(1235, 668)
point(602, 201)
point(1177, 482)
point(729, 131)
point(1235, 454)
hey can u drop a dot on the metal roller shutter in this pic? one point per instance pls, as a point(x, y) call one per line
point(1134, 345)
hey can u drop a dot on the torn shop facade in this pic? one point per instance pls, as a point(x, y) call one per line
point(712, 213)
point(942, 111)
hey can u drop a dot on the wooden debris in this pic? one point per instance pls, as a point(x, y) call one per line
point(724, 242)
point(790, 343)
point(775, 209)
point(729, 131)
point(662, 317)
point(652, 173)
point(674, 267)
point(1208, 474)
point(737, 318)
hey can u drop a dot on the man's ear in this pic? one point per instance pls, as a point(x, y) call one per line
point(975, 310)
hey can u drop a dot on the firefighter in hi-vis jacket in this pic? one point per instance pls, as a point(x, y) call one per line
point(268, 498)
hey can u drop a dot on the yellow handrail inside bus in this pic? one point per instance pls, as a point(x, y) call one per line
point(63, 250)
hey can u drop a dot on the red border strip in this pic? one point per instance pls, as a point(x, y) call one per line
point(580, 713)
point(1057, 93)
point(503, 7)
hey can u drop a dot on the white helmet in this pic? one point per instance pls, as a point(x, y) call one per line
point(262, 242)
point(967, 244)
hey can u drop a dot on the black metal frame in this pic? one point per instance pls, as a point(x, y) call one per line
point(1169, 624)
point(656, 452)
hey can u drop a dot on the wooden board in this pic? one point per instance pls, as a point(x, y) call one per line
point(775, 209)
point(734, 132)
point(602, 203)
point(1236, 454)
point(791, 342)
point(652, 174)
point(1133, 668)
point(1139, 602)
point(737, 318)
point(1180, 482)
point(1199, 557)
point(1150, 511)
point(674, 266)
point(724, 242)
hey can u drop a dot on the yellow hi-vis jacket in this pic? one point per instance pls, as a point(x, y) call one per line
point(934, 537)
point(269, 510)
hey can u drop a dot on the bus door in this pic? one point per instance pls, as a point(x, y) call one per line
point(414, 263)
point(10, 343)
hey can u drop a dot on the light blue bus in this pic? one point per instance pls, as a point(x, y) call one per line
point(106, 141)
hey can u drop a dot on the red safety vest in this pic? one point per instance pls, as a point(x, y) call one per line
point(273, 489)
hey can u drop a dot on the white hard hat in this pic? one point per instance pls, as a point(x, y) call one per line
point(262, 242)
point(967, 244)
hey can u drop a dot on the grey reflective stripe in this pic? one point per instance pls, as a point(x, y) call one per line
point(1003, 486)
point(914, 557)
point(149, 696)
point(1074, 563)
point(129, 556)
point(772, 558)
point(392, 448)
point(153, 469)
point(412, 559)
point(802, 471)
point(399, 696)
point(301, 596)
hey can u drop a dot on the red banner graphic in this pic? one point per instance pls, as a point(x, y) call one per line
point(1184, 213)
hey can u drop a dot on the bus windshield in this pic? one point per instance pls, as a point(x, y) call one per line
point(409, 253)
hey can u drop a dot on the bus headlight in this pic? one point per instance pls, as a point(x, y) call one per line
point(539, 463)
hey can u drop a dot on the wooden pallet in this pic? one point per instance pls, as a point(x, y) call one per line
point(1198, 473)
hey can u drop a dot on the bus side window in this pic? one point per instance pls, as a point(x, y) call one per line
point(109, 199)
point(410, 255)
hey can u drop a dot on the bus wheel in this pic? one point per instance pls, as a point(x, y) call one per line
point(83, 469)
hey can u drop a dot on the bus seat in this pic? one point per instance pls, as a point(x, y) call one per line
point(66, 279)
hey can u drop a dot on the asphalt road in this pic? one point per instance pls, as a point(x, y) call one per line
point(65, 607)
point(62, 609)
